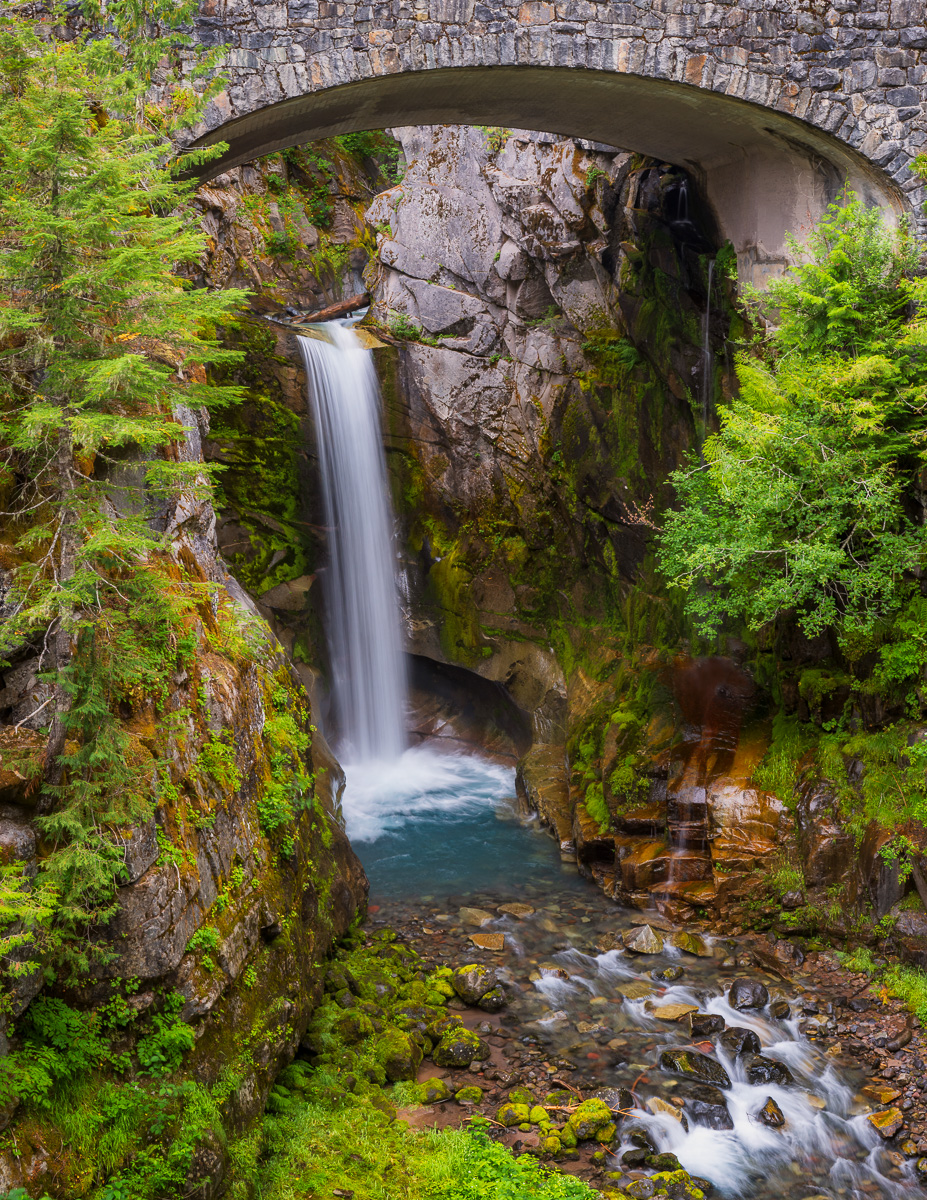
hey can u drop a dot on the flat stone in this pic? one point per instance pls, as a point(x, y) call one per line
point(474, 916)
point(489, 941)
point(882, 1093)
point(637, 989)
point(660, 1108)
point(515, 909)
point(888, 1122)
point(817, 1102)
point(674, 1012)
point(643, 940)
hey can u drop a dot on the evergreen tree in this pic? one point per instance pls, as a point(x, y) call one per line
point(802, 505)
point(101, 341)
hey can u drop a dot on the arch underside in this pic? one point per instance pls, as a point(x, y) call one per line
point(765, 173)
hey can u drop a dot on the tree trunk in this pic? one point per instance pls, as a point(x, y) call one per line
point(65, 563)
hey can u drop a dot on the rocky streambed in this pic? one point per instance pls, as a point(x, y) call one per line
point(626, 1050)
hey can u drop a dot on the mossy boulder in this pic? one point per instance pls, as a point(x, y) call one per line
point(459, 1048)
point(493, 1000)
point(399, 1055)
point(509, 1114)
point(472, 982)
point(538, 1115)
point(469, 1095)
point(551, 1145)
point(354, 1027)
point(520, 1095)
point(435, 1090)
point(591, 1117)
point(677, 1185)
point(442, 1025)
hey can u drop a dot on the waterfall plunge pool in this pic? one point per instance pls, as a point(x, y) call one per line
point(435, 824)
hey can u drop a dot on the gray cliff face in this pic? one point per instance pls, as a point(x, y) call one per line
point(546, 299)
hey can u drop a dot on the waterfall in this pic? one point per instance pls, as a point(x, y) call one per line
point(368, 674)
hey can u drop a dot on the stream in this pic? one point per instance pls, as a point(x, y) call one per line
point(438, 833)
point(737, 1092)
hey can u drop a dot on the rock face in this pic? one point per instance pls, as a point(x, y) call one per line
point(225, 916)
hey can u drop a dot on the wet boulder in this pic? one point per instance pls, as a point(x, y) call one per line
point(771, 1114)
point(704, 1024)
point(706, 1105)
point(493, 1000)
point(472, 983)
point(738, 1041)
point(747, 993)
point(692, 1065)
point(639, 1135)
point(667, 974)
point(887, 1123)
point(459, 1048)
point(762, 1070)
point(643, 940)
point(353, 1027)
point(691, 943)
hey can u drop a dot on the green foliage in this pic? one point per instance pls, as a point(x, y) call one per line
point(205, 942)
point(403, 327)
point(778, 769)
point(494, 137)
point(104, 343)
point(798, 508)
point(281, 243)
point(289, 790)
point(377, 145)
point(162, 1051)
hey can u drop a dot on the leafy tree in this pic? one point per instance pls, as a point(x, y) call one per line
point(801, 506)
point(104, 353)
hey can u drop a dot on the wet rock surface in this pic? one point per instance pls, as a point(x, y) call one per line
point(584, 1070)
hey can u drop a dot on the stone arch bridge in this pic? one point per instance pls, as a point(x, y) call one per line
point(772, 104)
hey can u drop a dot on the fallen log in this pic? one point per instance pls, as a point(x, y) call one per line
point(341, 309)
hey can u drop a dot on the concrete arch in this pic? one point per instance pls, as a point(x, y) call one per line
point(765, 171)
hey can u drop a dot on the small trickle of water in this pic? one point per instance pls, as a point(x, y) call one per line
point(368, 673)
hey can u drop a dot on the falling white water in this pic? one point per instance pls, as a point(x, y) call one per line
point(368, 675)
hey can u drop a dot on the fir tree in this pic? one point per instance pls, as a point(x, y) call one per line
point(101, 340)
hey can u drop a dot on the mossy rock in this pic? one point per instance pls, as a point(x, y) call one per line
point(520, 1095)
point(538, 1115)
point(678, 1185)
point(493, 1001)
point(459, 1048)
point(568, 1137)
point(435, 1090)
point(552, 1146)
point(442, 1025)
point(399, 1055)
point(472, 982)
point(591, 1116)
point(354, 1027)
point(469, 1095)
point(509, 1114)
